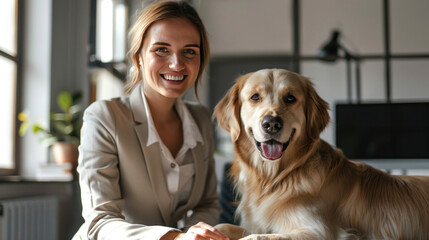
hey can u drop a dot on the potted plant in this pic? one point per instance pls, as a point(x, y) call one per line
point(63, 134)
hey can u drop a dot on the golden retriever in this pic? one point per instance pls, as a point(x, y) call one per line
point(293, 185)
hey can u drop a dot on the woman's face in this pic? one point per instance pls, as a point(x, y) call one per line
point(170, 57)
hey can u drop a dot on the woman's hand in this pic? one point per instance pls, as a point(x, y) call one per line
point(204, 231)
point(200, 231)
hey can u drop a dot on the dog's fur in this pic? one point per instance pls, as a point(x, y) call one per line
point(311, 190)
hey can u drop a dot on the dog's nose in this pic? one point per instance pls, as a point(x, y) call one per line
point(271, 125)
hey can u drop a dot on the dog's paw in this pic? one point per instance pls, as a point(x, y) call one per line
point(234, 232)
point(254, 237)
point(265, 237)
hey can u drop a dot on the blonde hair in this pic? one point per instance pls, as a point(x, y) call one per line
point(157, 11)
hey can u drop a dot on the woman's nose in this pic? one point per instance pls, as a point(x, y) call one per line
point(176, 63)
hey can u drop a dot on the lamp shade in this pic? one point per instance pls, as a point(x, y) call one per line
point(329, 51)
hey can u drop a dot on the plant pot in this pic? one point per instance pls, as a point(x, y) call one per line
point(65, 152)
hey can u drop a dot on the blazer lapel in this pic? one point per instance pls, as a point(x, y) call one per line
point(200, 175)
point(201, 167)
point(151, 155)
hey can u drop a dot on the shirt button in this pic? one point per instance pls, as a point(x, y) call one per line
point(172, 165)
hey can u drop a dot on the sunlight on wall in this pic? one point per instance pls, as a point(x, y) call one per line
point(107, 86)
point(8, 71)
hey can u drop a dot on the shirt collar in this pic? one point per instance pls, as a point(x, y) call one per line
point(190, 128)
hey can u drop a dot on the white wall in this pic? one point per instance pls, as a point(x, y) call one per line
point(249, 27)
point(54, 59)
point(36, 79)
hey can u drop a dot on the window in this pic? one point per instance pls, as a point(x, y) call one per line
point(9, 72)
point(108, 47)
point(111, 28)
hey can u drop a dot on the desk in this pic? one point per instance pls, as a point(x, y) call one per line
point(402, 164)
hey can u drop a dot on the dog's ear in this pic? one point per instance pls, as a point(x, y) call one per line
point(227, 111)
point(316, 112)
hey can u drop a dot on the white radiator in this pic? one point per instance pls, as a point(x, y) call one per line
point(34, 218)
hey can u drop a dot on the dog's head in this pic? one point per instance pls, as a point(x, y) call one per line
point(276, 109)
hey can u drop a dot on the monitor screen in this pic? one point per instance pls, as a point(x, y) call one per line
point(383, 131)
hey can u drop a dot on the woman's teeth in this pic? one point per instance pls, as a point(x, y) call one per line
point(173, 78)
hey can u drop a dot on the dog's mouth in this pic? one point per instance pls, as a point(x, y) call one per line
point(272, 149)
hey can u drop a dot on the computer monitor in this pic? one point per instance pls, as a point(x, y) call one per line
point(383, 130)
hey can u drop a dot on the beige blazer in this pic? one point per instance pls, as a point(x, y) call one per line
point(123, 187)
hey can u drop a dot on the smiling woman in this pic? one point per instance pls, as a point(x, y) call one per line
point(146, 159)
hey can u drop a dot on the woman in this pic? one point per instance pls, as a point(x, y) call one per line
point(146, 160)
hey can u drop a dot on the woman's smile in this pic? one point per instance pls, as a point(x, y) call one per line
point(173, 78)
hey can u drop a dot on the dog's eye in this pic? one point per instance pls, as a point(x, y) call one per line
point(255, 97)
point(290, 99)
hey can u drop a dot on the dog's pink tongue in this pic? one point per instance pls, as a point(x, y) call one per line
point(272, 150)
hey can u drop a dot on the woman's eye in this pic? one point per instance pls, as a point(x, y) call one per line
point(290, 99)
point(255, 97)
point(189, 53)
point(161, 51)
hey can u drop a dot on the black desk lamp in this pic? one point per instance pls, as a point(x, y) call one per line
point(330, 53)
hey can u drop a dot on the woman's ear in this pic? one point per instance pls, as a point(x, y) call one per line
point(227, 111)
point(317, 116)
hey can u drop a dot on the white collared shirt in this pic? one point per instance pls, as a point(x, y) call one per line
point(179, 171)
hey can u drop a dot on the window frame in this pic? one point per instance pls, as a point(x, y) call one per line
point(17, 59)
point(117, 69)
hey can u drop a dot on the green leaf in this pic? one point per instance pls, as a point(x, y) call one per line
point(48, 141)
point(37, 128)
point(63, 127)
point(75, 109)
point(23, 128)
point(58, 116)
point(64, 101)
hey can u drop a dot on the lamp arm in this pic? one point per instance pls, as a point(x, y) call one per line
point(347, 54)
